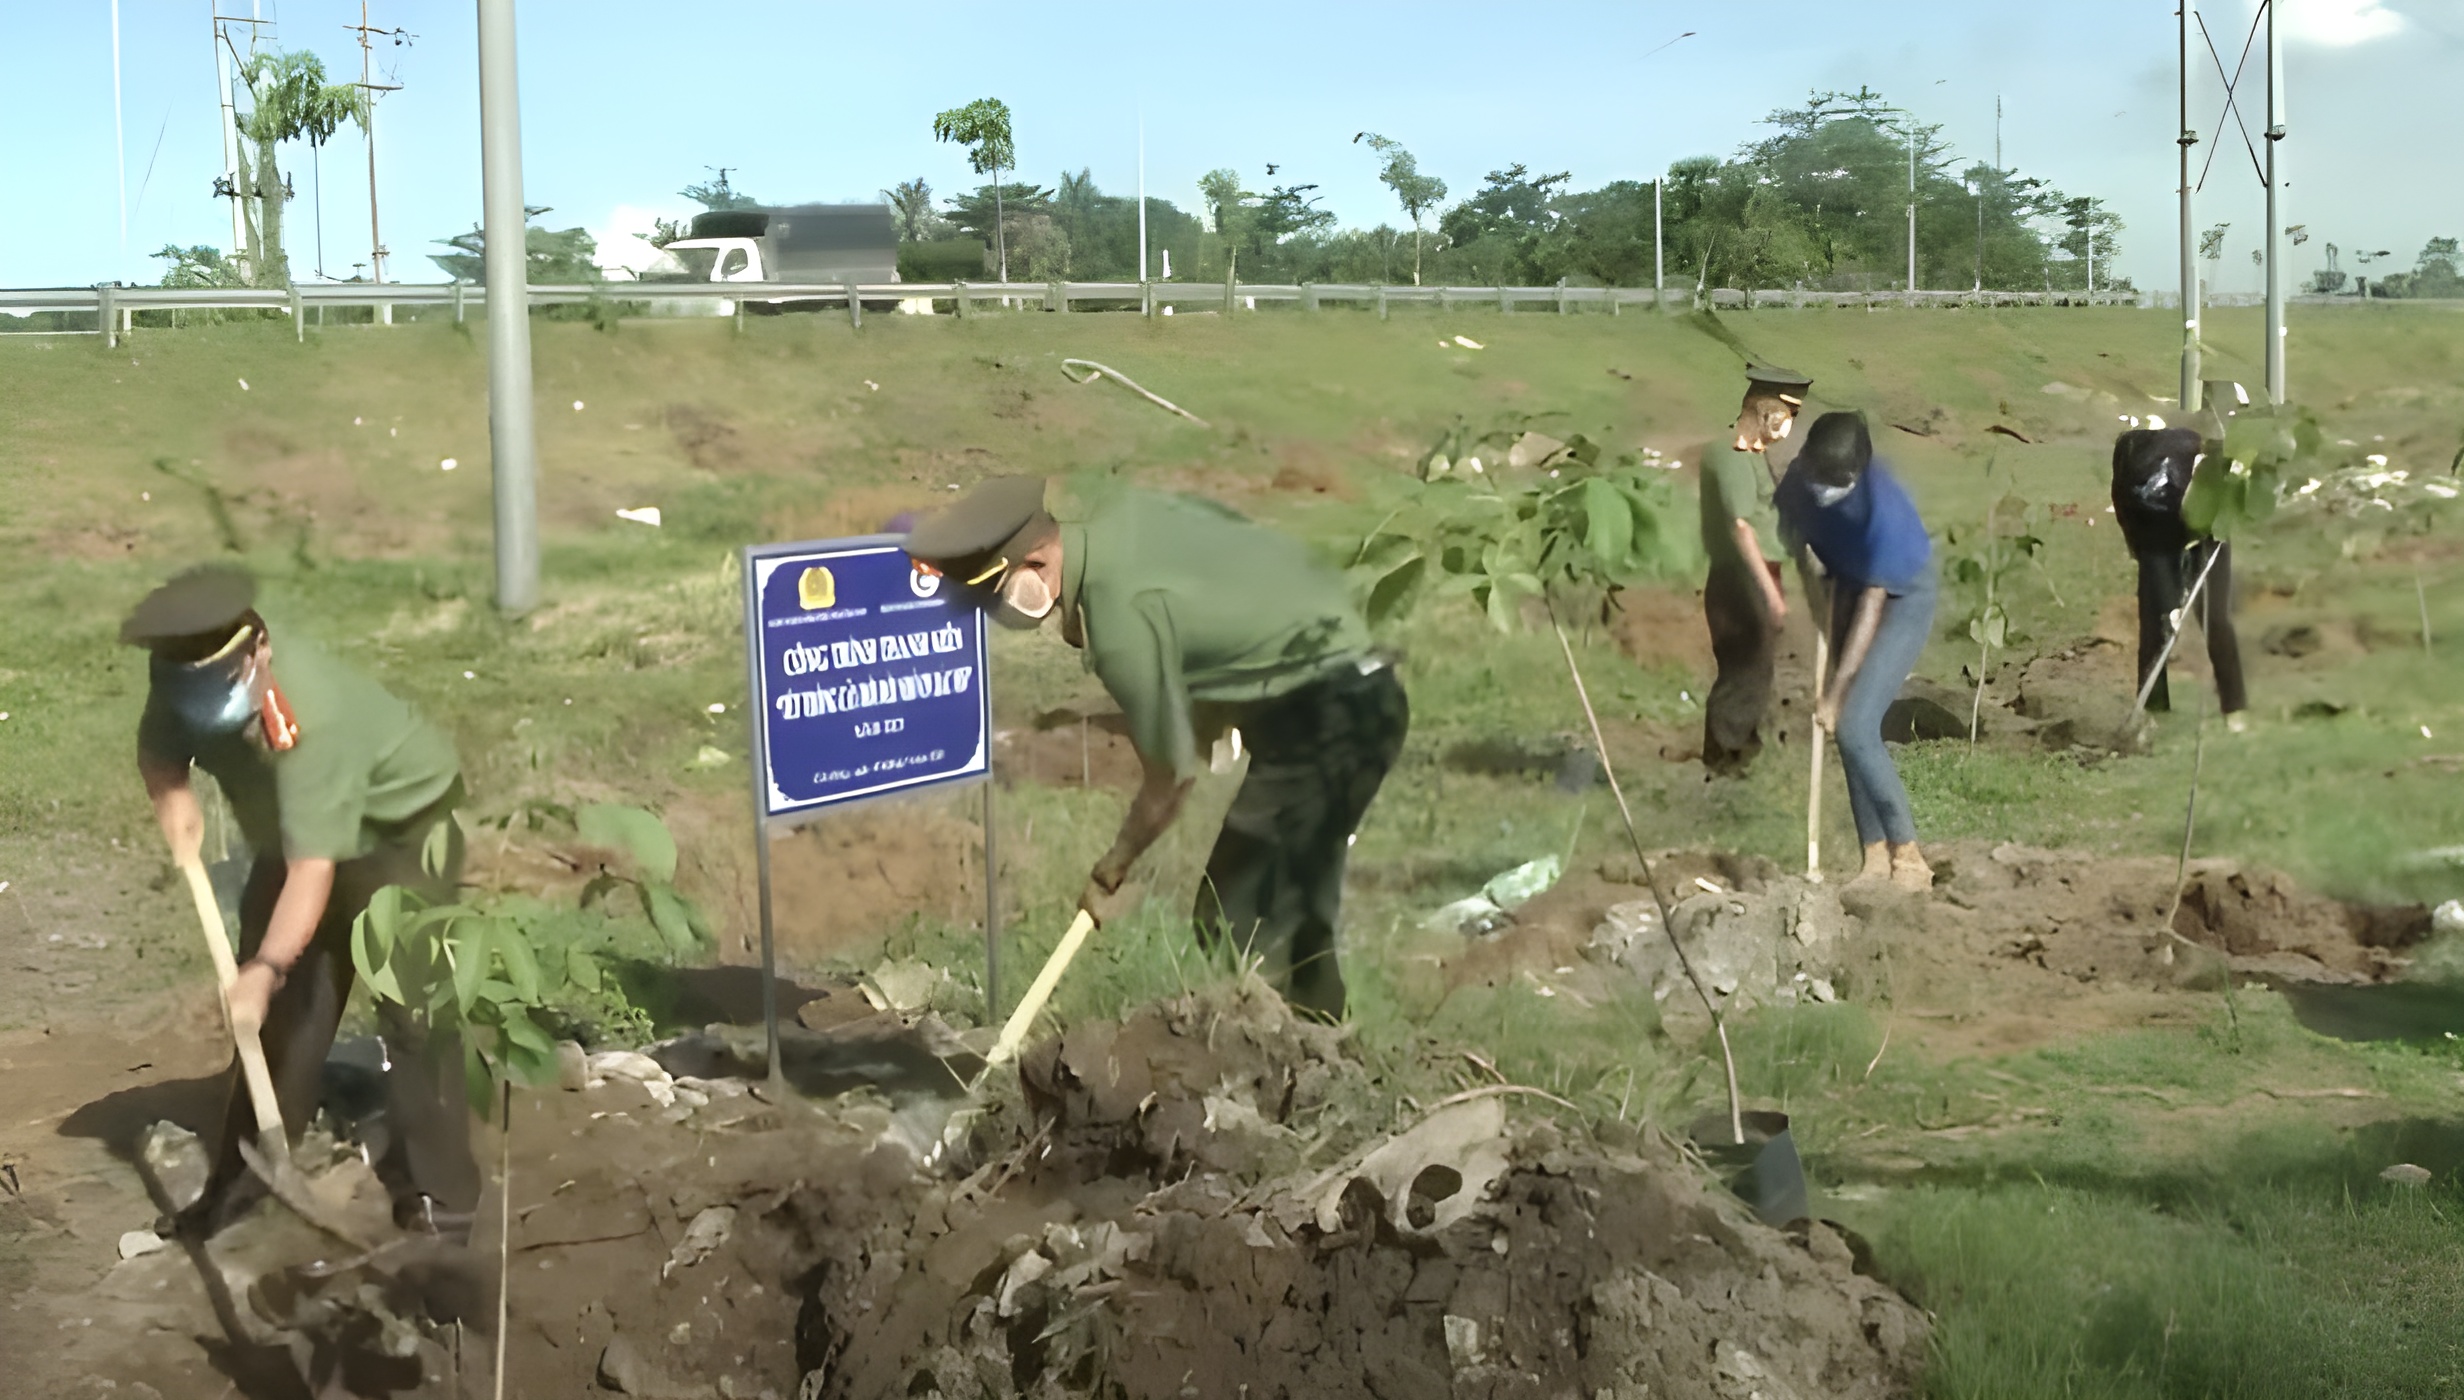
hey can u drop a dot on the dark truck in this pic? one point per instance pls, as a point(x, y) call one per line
point(832, 244)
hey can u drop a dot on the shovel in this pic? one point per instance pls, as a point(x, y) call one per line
point(272, 1141)
point(1813, 791)
point(1022, 1020)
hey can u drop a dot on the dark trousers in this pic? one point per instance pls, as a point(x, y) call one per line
point(2165, 575)
point(1745, 647)
point(1274, 884)
point(427, 1106)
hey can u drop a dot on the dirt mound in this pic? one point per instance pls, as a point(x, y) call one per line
point(1152, 1223)
point(2040, 944)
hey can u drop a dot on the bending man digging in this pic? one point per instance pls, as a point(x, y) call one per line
point(339, 789)
point(1199, 622)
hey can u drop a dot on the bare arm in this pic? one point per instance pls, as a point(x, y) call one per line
point(1861, 632)
point(1749, 548)
point(175, 807)
point(1151, 813)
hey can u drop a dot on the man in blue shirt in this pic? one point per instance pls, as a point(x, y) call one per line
point(1840, 504)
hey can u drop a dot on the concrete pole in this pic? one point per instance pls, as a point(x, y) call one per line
point(376, 238)
point(513, 446)
point(2190, 265)
point(230, 147)
point(1142, 199)
point(2275, 228)
point(1912, 211)
point(1659, 252)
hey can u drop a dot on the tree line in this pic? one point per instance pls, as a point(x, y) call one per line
point(1820, 201)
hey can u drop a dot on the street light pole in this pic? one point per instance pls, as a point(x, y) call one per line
point(1911, 210)
point(2275, 228)
point(513, 446)
point(2190, 266)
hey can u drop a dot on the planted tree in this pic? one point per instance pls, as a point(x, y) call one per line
point(1566, 541)
point(1399, 170)
point(1983, 564)
point(496, 972)
point(983, 127)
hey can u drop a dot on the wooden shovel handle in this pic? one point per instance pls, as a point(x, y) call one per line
point(271, 1135)
point(1813, 791)
point(1014, 1033)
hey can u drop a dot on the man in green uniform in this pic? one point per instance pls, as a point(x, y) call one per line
point(1742, 599)
point(339, 789)
point(1200, 623)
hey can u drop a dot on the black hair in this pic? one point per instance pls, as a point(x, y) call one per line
point(1838, 449)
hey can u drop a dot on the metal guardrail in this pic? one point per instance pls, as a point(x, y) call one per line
point(113, 305)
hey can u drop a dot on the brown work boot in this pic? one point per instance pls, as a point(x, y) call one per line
point(1877, 864)
point(1909, 870)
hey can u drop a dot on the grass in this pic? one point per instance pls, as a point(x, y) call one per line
point(2155, 1225)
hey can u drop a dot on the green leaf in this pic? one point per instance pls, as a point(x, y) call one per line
point(520, 962)
point(529, 1051)
point(667, 914)
point(372, 943)
point(633, 831)
point(1392, 597)
point(1609, 524)
point(467, 938)
point(582, 969)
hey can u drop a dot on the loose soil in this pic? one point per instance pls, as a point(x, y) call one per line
point(1193, 1201)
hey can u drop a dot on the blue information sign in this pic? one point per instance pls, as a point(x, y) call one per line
point(868, 677)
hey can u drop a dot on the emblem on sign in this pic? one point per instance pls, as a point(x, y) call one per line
point(923, 580)
point(816, 588)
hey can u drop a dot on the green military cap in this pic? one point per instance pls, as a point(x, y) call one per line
point(1785, 382)
point(977, 539)
point(209, 600)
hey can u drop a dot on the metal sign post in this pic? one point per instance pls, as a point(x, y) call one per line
point(864, 678)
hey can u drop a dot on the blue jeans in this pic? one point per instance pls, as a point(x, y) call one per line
point(1875, 794)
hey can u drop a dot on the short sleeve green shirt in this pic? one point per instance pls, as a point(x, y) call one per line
point(364, 765)
point(1181, 602)
point(1736, 486)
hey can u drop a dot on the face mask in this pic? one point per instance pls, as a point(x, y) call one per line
point(209, 699)
point(1831, 495)
point(1026, 600)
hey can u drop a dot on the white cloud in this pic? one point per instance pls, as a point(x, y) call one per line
point(624, 236)
point(2339, 24)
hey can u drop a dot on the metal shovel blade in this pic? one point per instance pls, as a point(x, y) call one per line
point(1763, 1170)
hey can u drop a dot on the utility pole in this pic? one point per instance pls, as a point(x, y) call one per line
point(1659, 255)
point(119, 135)
point(1142, 199)
point(370, 87)
point(2190, 267)
point(2090, 221)
point(512, 444)
point(231, 144)
point(2275, 228)
point(1980, 236)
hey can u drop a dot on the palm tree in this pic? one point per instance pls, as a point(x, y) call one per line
point(1399, 170)
point(983, 127)
point(290, 100)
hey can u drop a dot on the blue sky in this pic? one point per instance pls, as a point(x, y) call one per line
point(625, 103)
